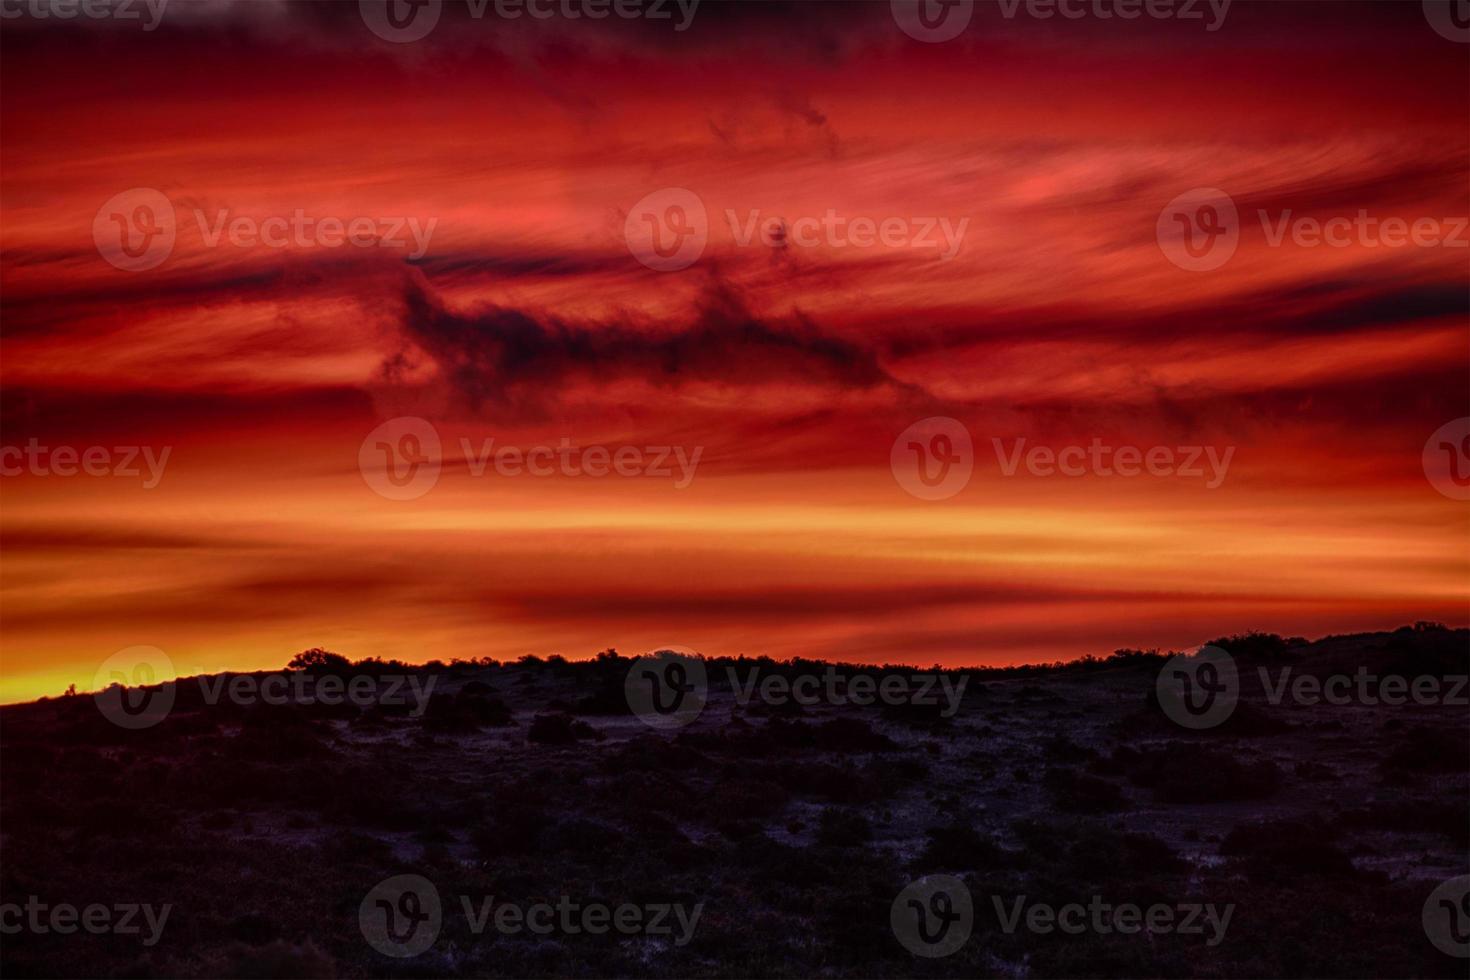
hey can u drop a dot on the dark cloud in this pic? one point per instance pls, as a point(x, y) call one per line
point(801, 108)
point(156, 416)
point(264, 598)
point(515, 265)
point(513, 362)
point(28, 308)
point(1437, 174)
point(1308, 309)
point(821, 32)
point(52, 538)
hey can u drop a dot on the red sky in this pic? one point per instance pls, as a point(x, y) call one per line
point(1058, 320)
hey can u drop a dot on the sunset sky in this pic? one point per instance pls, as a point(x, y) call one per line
point(793, 368)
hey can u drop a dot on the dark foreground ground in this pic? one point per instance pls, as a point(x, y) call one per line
point(264, 827)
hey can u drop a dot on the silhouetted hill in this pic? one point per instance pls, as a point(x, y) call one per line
point(793, 826)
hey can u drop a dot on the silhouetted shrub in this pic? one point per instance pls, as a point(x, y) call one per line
point(892, 775)
point(1190, 773)
point(513, 829)
point(919, 715)
point(959, 847)
point(1414, 817)
point(1088, 853)
point(828, 782)
point(1286, 849)
point(1424, 749)
point(651, 753)
point(560, 729)
point(745, 796)
point(580, 836)
point(463, 713)
point(1253, 645)
point(1060, 749)
point(851, 735)
point(319, 661)
point(1076, 792)
point(270, 733)
point(843, 828)
point(609, 696)
point(1250, 721)
point(780, 708)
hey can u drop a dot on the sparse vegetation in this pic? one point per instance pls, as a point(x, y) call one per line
point(265, 825)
